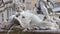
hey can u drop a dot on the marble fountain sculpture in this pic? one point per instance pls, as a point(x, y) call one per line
point(32, 20)
point(28, 20)
point(48, 7)
point(7, 7)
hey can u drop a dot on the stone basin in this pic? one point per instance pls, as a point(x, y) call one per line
point(33, 32)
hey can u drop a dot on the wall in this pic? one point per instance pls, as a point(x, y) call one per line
point(32, 4)
point(58, 0)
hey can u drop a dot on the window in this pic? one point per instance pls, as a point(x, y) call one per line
point(23, 1)
point(2, 17)
point(59, 17)
point(20, 0)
